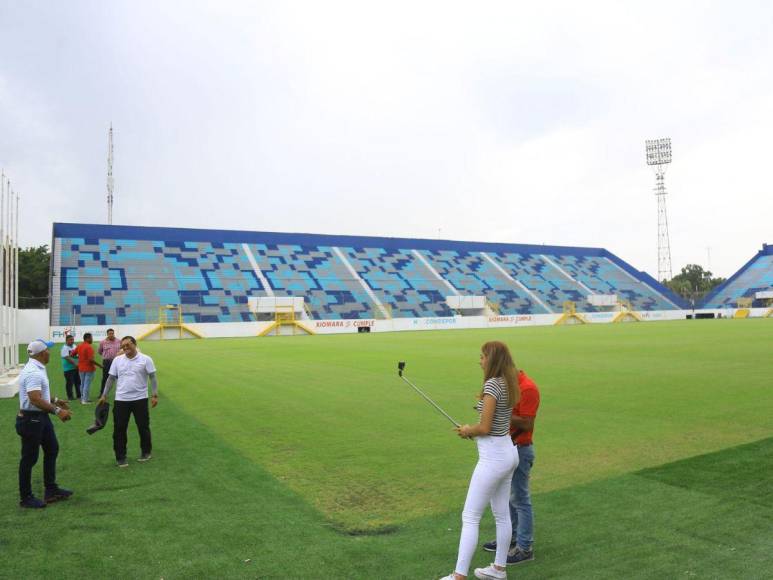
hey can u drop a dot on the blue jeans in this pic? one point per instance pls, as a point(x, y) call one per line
point(520, 500)
point(86, 379)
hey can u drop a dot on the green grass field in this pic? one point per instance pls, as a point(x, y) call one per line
point(307, 457)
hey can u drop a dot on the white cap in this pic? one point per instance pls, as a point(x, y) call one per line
point(37, 346)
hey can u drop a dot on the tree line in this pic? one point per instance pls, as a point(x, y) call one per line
point(34, 264)
point(693, 283)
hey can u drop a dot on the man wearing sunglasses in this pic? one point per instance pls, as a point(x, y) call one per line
point(34, 427)
point(130, 373)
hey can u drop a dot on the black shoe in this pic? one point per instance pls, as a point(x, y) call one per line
point(144, 457)
point(492, 546)
point(32, 502)
point(122, 462)
point(57, 494)
point(517, 555)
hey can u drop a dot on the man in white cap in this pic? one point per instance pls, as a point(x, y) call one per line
point(35, 428)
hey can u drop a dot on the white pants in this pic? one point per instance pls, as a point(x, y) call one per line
point(489, 485)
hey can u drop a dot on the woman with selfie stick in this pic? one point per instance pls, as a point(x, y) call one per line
point(497, 459)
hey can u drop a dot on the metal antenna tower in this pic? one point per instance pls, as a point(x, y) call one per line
point(659, 156)
point(110, 177)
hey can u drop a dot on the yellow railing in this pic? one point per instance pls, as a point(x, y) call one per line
point(170, 316)
point(744, 303)
point(570, 315)
point(743, 307)
point(285, 316)
point(626, 312)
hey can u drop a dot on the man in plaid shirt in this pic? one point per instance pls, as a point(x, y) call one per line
point(108, 350)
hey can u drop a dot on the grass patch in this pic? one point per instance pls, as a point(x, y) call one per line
point(329, 417)
point(640, 525)
point(302, 457)
point(735, 474)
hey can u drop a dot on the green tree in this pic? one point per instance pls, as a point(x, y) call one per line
point(693, 282)
point(33, 277)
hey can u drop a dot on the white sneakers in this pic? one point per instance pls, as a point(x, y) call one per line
point(487, 573)
point(490, 573)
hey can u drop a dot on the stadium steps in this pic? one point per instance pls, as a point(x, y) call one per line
point(474, 275)
point(544, 280)
point(123, 275)
point(401, 280)
point(755, 276)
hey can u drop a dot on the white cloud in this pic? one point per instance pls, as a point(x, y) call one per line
point(519, 122)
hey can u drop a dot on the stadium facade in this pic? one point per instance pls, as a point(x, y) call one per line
point(752, 283)
point(104, 275)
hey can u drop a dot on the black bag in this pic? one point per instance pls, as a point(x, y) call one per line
point(101, 413)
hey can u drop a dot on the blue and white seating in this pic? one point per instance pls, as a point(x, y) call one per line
point(120, 274)
point(755, 276)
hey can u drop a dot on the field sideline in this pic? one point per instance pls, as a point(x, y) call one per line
point(306, 457)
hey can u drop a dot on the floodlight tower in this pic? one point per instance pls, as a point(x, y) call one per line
point(659, 156)
point(110, 176)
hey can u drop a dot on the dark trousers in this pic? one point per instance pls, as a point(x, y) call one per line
point(121, 412)
point(36, 431)
point(105, 370)
point(72, 379)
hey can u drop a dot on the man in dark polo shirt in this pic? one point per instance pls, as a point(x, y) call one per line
point(521, 430)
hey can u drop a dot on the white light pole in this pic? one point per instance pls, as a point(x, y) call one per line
point(15, 326)
point(9, 275)
point(659, 156)
point(110, 183)
point(4, 363)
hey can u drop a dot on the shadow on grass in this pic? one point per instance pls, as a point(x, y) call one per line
point(201, 510)
point(122, 487)
point(681, 519)
point(741, 473)
point(355, 531)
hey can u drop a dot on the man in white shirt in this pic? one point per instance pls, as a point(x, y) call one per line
point(35, 429)
point(131, 372)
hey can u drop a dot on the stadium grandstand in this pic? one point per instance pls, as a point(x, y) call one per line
point(751, 286)
point(105, 275)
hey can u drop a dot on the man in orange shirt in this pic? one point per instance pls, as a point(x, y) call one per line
point(87, 366)
point(521, 430)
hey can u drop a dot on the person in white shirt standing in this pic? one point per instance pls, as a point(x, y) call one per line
point(131, 372)
point(35, 428)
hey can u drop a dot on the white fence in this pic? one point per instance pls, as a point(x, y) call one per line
point(244, 329)
point(466, 302)
point(602, 299)
point(34, 324)
point(270, 304)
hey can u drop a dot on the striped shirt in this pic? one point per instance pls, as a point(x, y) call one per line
point(109, 349)
point(497, 388)
point(33, 377)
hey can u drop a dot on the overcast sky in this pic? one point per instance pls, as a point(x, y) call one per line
point(506, 122)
